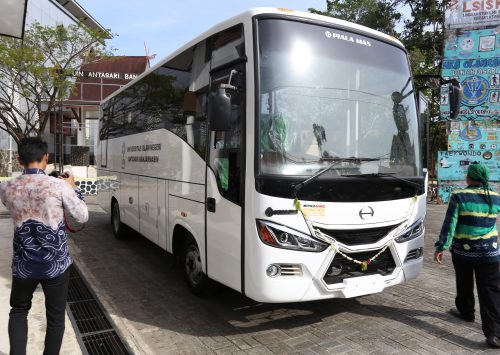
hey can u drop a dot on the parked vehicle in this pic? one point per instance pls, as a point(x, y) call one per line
point(278, 153)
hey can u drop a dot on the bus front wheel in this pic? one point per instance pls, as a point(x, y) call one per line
point(118, 227)
point(198, 282)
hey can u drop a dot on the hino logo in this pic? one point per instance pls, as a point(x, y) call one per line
point(366, 212)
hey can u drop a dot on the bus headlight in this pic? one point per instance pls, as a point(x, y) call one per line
point(279, 236)
point(412, 232)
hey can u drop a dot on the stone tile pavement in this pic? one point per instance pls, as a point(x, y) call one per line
point(36, 317)
point(153, 310)
point(147, 299)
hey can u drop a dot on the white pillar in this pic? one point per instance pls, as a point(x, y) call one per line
point(80, 135)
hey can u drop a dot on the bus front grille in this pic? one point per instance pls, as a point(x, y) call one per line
point(358, 236)
point(414, 254)
point(342, 268)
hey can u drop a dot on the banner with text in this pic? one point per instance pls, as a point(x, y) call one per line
point(473, 58)
point(472, 13)
point(453, 165)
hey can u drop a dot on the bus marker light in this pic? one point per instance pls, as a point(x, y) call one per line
point(266, 234)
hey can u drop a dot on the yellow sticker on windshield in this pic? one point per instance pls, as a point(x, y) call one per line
point(313, 210)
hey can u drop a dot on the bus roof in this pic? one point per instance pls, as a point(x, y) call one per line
point(245, 16)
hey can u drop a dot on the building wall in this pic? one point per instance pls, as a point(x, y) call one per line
point(47, 13)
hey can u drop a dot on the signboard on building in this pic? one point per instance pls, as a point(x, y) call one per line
point(470, 135)
point(104, 75)
point(100, 78)
point(453, 165)
point(472, 57)
point(472, 13)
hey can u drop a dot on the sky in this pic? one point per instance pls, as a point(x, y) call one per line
point(166, 25)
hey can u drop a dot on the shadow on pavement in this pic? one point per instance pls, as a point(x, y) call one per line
point(143, 285)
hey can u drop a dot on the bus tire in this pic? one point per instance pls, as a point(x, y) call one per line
point(198, 282)
point(118, 226)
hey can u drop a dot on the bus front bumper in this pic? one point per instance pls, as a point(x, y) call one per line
point(312, 284)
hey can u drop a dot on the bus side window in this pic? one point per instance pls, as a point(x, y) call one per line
point(227, 46)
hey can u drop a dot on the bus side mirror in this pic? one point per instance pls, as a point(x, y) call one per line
point(455, 98)
point(219, 110)
point(454, 90)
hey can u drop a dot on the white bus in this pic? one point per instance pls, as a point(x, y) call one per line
point(278, 154)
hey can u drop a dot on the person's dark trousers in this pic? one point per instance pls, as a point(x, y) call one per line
point(56, 293)
point(464, 277)
point(488, 289)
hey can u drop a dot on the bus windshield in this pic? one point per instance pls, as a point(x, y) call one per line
point(328, 94)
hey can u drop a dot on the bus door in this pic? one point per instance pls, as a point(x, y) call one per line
point(225, 191)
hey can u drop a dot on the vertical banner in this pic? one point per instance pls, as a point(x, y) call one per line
point(473, 57)
point(12, 17)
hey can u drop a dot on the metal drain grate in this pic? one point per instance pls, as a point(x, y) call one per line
point(96, 333)
point(89, 317)
point(104, 343)
point(77, 290)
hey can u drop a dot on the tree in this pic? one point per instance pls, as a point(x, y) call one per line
point(423, 35)
point(37, 73)
point(381, 15)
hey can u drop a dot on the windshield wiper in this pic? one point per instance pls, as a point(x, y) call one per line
point(334, 162)
point(417, 187)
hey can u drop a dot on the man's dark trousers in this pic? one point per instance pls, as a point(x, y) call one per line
point(488, 289)
point(56, 293)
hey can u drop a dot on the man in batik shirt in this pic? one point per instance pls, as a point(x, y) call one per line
point(37, 203)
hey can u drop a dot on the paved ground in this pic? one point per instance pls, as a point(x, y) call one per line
point(155, 312)
point(36, 318)
point(147, 299)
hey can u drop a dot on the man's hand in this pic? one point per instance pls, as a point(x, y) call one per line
point(68, 177)
point(438, 257)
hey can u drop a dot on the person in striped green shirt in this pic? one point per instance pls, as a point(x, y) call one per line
point(470, 232)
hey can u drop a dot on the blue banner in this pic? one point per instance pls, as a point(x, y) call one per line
point(471, 135)
point(453, 165)
point(473, 57)
point(446, 188)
